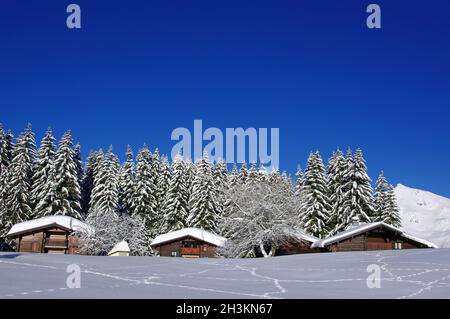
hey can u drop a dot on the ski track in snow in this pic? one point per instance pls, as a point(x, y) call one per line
point(413, 271)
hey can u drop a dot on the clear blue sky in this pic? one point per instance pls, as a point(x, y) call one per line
point(138, 69)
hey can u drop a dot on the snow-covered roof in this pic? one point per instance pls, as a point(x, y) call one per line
point(66, 222)
point(420, 240)
point(300, 234)
point(120, 247)
point(196, 233)
point(356, 230)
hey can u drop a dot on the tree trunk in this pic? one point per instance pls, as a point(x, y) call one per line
point(261, 247)
point(273, 248)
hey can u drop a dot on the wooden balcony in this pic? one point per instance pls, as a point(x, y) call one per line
point(190, 251)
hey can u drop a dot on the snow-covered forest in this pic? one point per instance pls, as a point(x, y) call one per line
point(147, 195)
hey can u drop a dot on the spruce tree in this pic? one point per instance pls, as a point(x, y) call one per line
point(5, 220)
point(220, 177)
point(163, 184)
point(315, 208)
point(144, 200)
point(48, 200)
point(67, 188)
point(202, 204)
point(380, 198)
point(18, 204)
point(233, 176)
point(105, 194)
point(79, 163)
point(357, 200)
point(252, 174)
point(393, 218)
point(299, 180)
point(93, 161)
point(126, 183)
point(385, 203)
point(176, 200)
point(243, 173)
point(337, 167)
point(44, 175)
point(263, 174)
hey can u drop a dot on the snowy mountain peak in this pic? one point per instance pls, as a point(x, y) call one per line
point(424, 214)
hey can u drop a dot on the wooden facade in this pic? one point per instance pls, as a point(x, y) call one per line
point(295, 248)
point(376, 239)
point(50, 240)
point(188, 247)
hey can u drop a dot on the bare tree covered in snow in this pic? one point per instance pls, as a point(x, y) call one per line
point(107, 228)
point(261, 216)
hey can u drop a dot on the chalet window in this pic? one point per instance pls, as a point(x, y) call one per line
point(190, 244)
point(205, 248)
point(398, 246)
point(174, 254)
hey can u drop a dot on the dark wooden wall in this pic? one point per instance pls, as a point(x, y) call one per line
point(49, 240)
point(205, 250)
point(294, 248)
point(377, 239)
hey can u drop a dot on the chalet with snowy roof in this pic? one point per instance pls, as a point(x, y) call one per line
point(371, 236)
point(189, 243)
point(50, 235)
point(299, 243)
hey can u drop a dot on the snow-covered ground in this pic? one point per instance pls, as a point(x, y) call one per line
point(404, 274)
point(424, 214)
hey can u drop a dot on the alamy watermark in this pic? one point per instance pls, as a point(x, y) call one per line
point(73, 280)
point(235, 145)
point(374, 279)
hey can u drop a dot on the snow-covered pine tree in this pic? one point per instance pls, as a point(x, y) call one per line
point(4, 193)
point(252, 174)
point(380, 198)
point(337, 167)
point(275, 177)
point(93, 161)
point(357, 200)
point(263, 174)
point(48, 201)
point(190, 171)
point(315, 208)
point(6, 148)
point(202, 204)
point(286, 181)
point(105, 194)
point(126, 183)
point(42, 181)
point(393, 218)
point(2, 145)
point(243, 173)
point(299, 180)
point(18, 204)
point(163, 185)
point(79, 163)
point(220, 176)
point(67, 187)
point(385, 203)
point(176, 200)
point(144, 200)
point(233, 176)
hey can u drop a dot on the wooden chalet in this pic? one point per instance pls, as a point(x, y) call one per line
point(51, 235)
point(299, 243)
point(370, 236)
point(188, 243)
